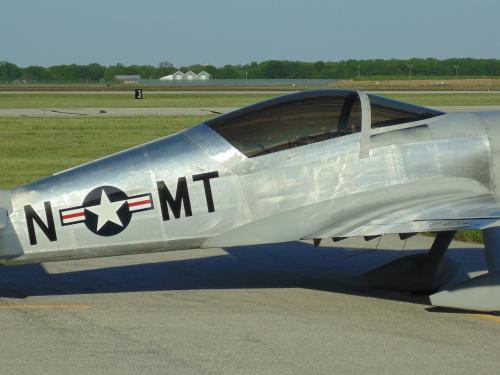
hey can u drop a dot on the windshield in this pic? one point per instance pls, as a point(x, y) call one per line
point(291, 121)
point(387, 112)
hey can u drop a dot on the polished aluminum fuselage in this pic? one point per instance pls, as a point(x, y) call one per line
point(339, 187)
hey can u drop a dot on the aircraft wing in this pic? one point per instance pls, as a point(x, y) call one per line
point(477, 212)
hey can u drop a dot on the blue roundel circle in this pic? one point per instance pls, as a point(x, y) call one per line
point(106, 211)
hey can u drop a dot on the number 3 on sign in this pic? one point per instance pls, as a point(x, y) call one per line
point(138, 94)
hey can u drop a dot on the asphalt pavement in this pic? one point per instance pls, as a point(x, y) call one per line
point(271, 309)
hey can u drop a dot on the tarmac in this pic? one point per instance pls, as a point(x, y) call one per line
point(271, 309)
point(126, 112)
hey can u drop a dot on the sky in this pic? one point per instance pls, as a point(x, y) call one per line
point(219, 32)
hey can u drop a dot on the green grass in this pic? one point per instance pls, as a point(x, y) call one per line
point(405, 77)
point(464, 235)
point(130, 87)
point(189, 100)
point(469, 236)
point(448, 99)
point(33, 148)
point(127, 101)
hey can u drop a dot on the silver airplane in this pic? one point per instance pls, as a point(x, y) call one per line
point(310, 165)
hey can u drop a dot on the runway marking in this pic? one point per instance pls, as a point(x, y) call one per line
point(34, 307)
point(493, 318)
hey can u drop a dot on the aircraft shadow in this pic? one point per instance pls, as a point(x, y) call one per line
point(286, 265)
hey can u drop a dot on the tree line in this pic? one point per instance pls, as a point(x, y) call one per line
point(272, 69)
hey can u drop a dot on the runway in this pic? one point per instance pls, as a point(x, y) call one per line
point(126, 112)
point(271, 309)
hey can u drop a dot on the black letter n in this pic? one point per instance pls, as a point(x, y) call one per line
point(32, 217)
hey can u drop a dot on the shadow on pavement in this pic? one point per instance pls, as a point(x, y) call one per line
point(285, 265)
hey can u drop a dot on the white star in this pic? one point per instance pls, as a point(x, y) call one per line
point(106, 211)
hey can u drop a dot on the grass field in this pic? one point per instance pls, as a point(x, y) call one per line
point(130, 87)
point(448, 99)
point(34, 148)
point(126, 101)
point(190, 100)
point(421, 83)
point(437, 83)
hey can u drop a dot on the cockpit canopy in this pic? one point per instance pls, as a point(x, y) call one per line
point(387, 112)
point(299, 119)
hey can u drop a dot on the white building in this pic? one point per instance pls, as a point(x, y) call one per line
point(203, 75)
point(178, 75)
point(170, 77)
point(190, 76)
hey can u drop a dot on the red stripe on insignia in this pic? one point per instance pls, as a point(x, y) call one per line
point(139, 203)
point(74, 215)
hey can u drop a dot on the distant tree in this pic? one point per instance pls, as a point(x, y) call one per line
point(95, 72)
point(275, 69)
point(210, 69)
point(145, 71)
point(69, 73)
point(37, 74)
point(230, 72)
point(114, 70)
point(163, 71)
point(165, 64)
point(428, 67)
point(9, 72)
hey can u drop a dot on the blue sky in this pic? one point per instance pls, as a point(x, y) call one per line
point(219, 32)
